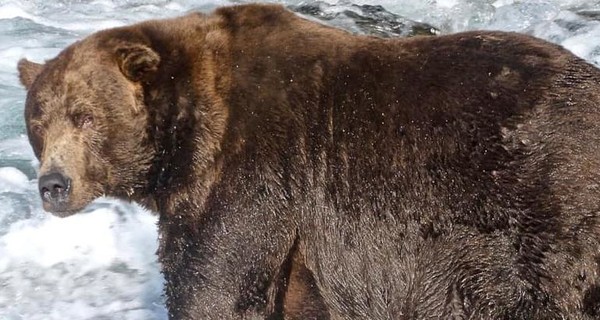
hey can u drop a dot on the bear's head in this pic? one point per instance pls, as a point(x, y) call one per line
point(87, 122)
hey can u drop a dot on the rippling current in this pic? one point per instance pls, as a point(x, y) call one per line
point(101, 264)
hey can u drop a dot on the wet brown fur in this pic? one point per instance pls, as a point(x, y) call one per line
point(303, 172)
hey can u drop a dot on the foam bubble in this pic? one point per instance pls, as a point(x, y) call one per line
point(13, 9)
point(11, 179)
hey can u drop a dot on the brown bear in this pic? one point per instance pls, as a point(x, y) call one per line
point(301, 171)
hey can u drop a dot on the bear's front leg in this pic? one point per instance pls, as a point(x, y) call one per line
point(223, 262)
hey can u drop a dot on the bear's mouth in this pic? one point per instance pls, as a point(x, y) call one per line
point(63, 214)
point(61, 210)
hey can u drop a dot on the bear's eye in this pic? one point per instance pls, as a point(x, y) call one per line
point(37, 130)
point(85, 121)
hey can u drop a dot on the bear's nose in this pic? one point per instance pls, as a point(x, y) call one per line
point(54, 187)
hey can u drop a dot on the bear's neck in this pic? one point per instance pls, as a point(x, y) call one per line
point(187, 119)
point(223, 99)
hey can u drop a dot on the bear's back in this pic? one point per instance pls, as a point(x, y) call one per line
point(433, 163)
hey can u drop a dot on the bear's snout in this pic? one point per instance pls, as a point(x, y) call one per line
point(54, 189)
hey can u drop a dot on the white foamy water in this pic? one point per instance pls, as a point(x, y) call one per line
point(101, 264)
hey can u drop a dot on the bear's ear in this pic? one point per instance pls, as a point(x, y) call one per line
point(28, 72)
point(137, 62)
